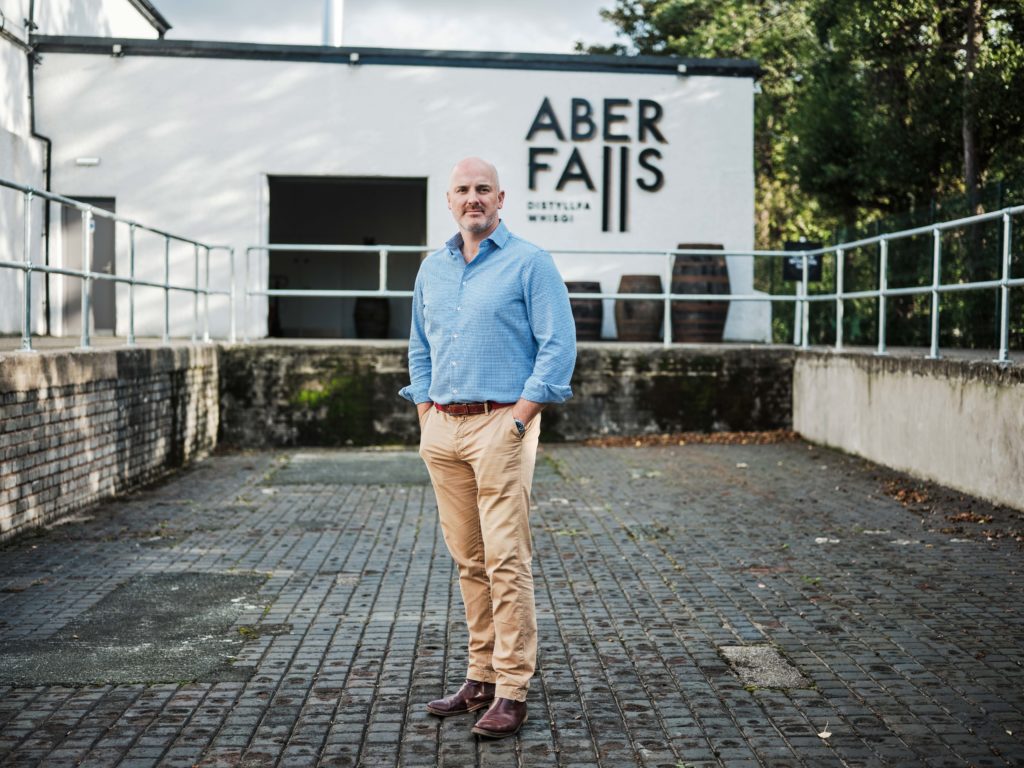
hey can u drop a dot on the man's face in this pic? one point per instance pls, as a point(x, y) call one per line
point(474, 197)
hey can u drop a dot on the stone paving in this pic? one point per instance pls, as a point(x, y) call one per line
point(298, 608)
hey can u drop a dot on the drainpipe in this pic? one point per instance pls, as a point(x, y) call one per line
point(31, 24)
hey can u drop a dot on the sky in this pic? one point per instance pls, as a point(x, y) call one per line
point(538, 26)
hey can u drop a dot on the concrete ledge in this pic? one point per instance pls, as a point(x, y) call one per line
point(31, 371)
point(319, 394)
point(635, 389)
point(957, 422)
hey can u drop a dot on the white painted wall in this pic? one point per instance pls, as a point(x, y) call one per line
point(91, 18)
point(22, 157)
point(954, 422)
point(186, 144)
point(21, 160)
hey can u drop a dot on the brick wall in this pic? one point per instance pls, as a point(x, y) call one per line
point(77, 426)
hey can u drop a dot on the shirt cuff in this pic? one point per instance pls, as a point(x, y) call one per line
point(540, 392)
point(415, 394)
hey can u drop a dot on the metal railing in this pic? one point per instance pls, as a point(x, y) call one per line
point(382, 291)
point(801, 300)
point(88, 213)
point(936, 288)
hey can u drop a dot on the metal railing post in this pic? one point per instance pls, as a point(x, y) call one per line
point(245, 296)
point(807, 305)
point(167, 290)
point(87, 269)
point(231, 296)
point(667, 334)
point(1004, 295)
point(883, 286)
point(797, 314)
point(131, 285)
point(383, 269)
point(26, 298)
point(206, 297)
point(933, 353)
point(840, 258)
point(195, 293)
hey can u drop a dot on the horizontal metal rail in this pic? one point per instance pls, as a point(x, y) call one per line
point(87, 275)
point(802, 299)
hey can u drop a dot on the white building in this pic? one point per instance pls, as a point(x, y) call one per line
point(25, 146)
point(245, 144)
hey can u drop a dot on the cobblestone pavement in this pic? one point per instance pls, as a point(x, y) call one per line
point(321, 613)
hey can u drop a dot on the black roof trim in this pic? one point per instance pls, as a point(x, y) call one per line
point(152, 15)
point(653, 65)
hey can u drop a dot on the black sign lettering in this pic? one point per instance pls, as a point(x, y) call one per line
point(610, 117)
point(536, 164)
point(583, 125)
point(648, 114)
point(645, 160)
point(575, 170)
point(545, 121)
point(602, 127)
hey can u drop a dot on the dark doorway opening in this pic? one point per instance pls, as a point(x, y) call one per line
point(343, 211)
point(103, 297)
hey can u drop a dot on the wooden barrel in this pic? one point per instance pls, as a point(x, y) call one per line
point(699, 322)
point(588, 313)
point(372, 317)
point(639, 319)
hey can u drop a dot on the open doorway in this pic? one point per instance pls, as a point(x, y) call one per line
point(102, 304)
point(343, 211)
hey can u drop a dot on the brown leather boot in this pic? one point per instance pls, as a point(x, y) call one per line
point(473, 695)
point(504, 718)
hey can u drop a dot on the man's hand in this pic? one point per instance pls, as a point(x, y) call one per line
point(422, 408)
point(526, 410)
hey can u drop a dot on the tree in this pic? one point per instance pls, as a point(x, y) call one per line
point(868, 107)
point(780, 37)
point(924, 91)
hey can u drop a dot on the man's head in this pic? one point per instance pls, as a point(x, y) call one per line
point(475, 196)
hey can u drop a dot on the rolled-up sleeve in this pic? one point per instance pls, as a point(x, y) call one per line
point(418, 390)
point(550, 316)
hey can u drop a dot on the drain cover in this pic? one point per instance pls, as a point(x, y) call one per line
point(154, 628)
point(763, 666)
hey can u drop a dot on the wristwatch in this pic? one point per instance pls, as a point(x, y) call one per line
point(520, 426)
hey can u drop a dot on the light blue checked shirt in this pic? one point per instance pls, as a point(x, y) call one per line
point(498, 328)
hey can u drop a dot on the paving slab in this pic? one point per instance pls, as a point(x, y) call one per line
point(299, 608)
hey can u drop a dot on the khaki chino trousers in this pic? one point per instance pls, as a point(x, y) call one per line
point(482, 472)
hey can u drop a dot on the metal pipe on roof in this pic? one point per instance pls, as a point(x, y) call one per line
point(334, 12)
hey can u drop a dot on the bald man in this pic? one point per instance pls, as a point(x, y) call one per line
point(492, 342)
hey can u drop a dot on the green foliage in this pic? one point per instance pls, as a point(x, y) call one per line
point(869, 109)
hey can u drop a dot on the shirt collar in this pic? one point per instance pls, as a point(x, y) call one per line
point(498, 239)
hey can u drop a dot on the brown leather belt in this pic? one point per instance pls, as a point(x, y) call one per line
point(470, 409)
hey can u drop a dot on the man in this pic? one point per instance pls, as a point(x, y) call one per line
point(492, 341)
